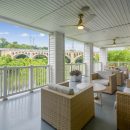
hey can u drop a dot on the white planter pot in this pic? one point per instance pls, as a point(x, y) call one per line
point(75, 78)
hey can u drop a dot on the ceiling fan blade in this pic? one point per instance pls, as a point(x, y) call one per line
point(110, 44)
point(123, 43)
point(117, 44)
point(89, 18)
point(123, 37)
point(68, 26)
point(87, 29)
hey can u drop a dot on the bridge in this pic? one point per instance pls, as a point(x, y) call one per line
point(71, 56)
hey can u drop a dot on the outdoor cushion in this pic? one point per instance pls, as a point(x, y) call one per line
point(126, 90)
point(104, 74)
point(104, 82)
point(62, 89)
point(123, 68)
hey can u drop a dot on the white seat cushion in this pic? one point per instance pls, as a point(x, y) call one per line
point(126, 90)
point(104, 82)
point(62, 89)
point(104, 74)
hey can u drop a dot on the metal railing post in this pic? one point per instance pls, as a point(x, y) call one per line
point(31, 85)
point(5, 83)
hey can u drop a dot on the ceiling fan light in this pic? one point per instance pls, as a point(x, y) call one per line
point(114, 45)
point(80, 27)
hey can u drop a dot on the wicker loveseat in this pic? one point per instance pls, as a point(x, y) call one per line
point(123, 111)
point(108, 80)
point(67, 112)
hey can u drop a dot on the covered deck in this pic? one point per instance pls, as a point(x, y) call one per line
point(24, 113)
point(105, 24)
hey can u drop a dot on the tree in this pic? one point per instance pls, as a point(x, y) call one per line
point(96, 58)
point(3, 42)
point(119, 55)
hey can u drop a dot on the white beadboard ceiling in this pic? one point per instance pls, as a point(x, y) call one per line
point(112, 18)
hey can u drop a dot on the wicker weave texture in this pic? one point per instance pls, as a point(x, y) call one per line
point(128, 83)
point(119, 78)
point(65, 112)
point(123, 111)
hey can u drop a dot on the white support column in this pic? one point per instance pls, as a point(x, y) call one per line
point(88, 57)
point(103, 57)
point(56, 57)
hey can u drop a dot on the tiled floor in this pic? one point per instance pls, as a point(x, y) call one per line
point(23, 113)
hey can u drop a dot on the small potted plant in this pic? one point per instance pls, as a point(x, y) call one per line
point(76, 76)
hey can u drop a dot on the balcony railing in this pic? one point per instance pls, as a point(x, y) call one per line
point(69, 67)
point(14, 80)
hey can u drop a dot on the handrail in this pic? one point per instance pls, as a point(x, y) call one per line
point(78, 66)
point(14, 80)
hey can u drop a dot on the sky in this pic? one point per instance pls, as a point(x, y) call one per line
point(22, 35)
point(26, 36)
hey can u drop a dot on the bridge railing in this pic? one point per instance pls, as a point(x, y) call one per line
point(14, 80)
point(78, 66)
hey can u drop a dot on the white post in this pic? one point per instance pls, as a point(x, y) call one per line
point(101, 66)
point(48, 74)
point(56, 57)
point(5, 83)
point(86, 70)
point(31, 83)
point(88, 57)
point(103, 57)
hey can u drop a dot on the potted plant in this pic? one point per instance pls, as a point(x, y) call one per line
point(76, 76)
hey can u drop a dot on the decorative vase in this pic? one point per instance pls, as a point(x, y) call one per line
point(75, 78)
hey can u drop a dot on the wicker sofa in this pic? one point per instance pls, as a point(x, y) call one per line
point(106, 80)
point(123, 111)
point(67, 112)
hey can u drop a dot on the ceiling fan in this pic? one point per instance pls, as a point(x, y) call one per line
point(115, 43)
point(81, 22)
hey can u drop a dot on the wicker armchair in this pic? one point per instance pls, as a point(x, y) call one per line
point(112, 84)
point(125, 71)
point(123, 111)
point(67, 112)
point(119, 78)
point(119, 75)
